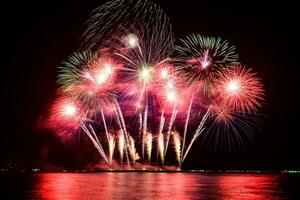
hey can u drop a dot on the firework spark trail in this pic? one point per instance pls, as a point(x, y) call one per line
point(95, 135)
point(198, 132)
point(119, 16)
point(111, 146)
point(162, 122)
point(148, 144)
point(121, 128)
point(121, 145)
point(122, 122)
point(186, 125)
point(140, 125)
point(132, 150)
point(177, 145)
point(104, 123)
point(125, 131)
point(97, 146)
point(160, 147)
point(174, 113)
point(144, 131)
point(161, 127)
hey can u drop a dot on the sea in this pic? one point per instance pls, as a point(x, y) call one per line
point(149, 185)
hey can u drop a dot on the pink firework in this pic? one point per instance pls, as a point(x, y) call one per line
point(66, 116)
point(239, 89)
point(170, 88)
point(99, 77)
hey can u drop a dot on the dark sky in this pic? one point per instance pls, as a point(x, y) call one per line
point(38, 36)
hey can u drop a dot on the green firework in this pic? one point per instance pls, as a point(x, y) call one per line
point(195, 50)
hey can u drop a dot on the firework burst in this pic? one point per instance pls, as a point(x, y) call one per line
point(127, 82)
point(65, 117)
point(201, 57)
point(89, 77)
point(239, 89)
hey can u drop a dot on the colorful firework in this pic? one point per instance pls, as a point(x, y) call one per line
point(129, 85)
point(201, 57)
point(88, 77)
point(240, 89)
point(66, 117)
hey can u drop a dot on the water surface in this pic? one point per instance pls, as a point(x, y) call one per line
point(150, 186)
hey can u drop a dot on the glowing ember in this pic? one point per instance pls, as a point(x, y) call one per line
point(205, 61)
point(164, 73)
point(131, 40)
point(69, 110)
point(170, 85)
point(145, 74)
point(103, 75)
point(233, 86)
point(171, 96)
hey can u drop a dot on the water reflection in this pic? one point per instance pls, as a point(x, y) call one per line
point(156, 186)
point(249, 187)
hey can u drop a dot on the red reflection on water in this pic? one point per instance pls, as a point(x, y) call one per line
point(160, 186)
point(114, 186)
point(249, 186)
point(57, 186)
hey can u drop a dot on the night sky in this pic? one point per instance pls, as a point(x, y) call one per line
point(37, 37)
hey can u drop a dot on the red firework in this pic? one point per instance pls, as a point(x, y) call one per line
point(239, 89)
point(99, 76)
point(66, 116)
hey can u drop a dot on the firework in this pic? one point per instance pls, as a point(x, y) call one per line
point(240, 89)
point(127, 85)
point(202, 57)
point(148, 144)
point(177, 145)
point(130, 22)
point(66, 117)
point(111, 144)
point(197, 133)
point(132, 150)
point(160, 147)
point(174, 113)
point(186, 125)
point(121, 145)
point(88, 77)
point(93, 137)
point(72, 70)
point(131, 41)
